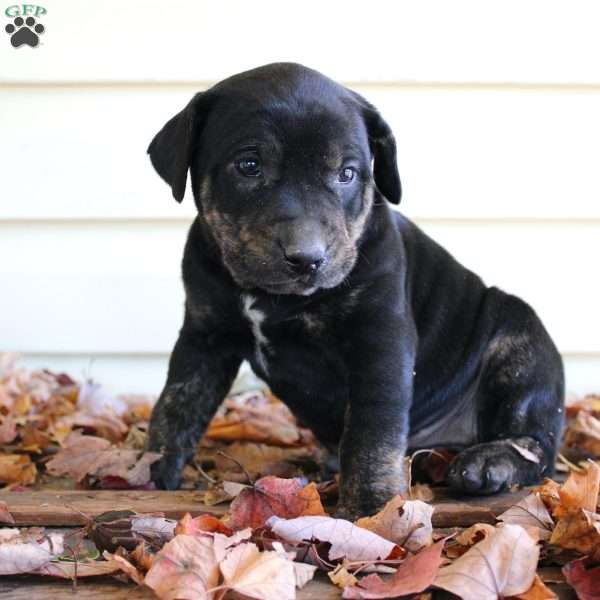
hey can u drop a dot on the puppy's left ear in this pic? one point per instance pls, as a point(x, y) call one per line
point(172, 148)
point(383, 147)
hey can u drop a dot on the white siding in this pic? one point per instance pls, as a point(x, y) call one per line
point(496, 107)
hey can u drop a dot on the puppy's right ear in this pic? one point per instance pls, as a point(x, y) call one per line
point(173, 146)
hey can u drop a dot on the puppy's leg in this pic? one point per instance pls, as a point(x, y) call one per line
point(520, 400)
point(200, 375)
point(376, 424)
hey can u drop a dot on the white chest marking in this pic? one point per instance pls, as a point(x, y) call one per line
point(256, 318)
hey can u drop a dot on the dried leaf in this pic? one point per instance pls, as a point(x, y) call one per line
point(185, 569)
point(341, 577)
point(407, 523)
point(153, 528)
point(580, 491)
point(346, 539)
point(467, 538)
point(201, 524)
point(123, 564)
point(579, 530)
point(525, 453)
point(549, 494)
point(583, 432)
point(530, 512)
point(88, 455)
point(70, 570)
point(270, 496)
point(585, 581)
point(538, 591)
point(17, 469)
point(5, 516)
point(414, 575)
point(27, 550)
point(8, 429)
point(262, 575)
point(503, 564)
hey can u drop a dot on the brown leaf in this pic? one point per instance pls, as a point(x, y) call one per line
point(27, 550)
point(88, 455)
point(503, 564)
point(201, 524)
point(17, 469)
point(341, 577)
point(255, 574)
point(123, 564)
point(579, 491)
point(270, 496)
point(407, 523)
point(346, 539)
point(8, 429)
point(5, 516)
point(549, 494)
point(414, 575)
point(530, 512)
point(583, 432)
point(185, 569)
point(538, 591)
point(579, 530)
point(465, 539)
point(585, 581)
point(70, 570)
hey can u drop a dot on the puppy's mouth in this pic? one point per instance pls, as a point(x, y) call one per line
point(303, 285)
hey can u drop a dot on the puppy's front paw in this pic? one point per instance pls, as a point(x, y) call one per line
point(166, 473)
point(490, 468)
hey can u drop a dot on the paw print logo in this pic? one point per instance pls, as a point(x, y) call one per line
point(24, 32)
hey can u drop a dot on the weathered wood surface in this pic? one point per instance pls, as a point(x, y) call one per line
point(68, 508)
point(36, 588)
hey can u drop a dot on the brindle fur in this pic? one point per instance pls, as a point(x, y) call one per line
point(390, 340)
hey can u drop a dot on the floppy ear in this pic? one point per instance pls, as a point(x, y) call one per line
point(172, 148)
point(383, 147)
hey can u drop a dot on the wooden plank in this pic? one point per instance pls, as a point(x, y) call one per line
point(68, 508)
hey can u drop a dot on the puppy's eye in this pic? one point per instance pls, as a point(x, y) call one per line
point(249, 167)
point(346, 175)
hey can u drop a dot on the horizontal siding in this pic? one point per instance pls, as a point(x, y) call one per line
point(430, 40)
point(146, 373)
point(114, 287)
point(80, 152)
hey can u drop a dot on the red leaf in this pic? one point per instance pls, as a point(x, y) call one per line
point(269, 496)
point(585, 581)
point(201, 524)
point(414, 575)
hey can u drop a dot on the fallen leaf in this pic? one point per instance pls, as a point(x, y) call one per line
point(538, 591)
point(585, 581)
point(346, 539)
point(17, 469)
point(414, 575)
point(185, 569)
point(525, 453)
point(583, 432)
point(341, 577)
point(8, 429)
point(70, 570)
point(467, 538)
point(579, 530)
point(88, 455)
point(5, 516)
point(503, 564)
point(530, 512)
point(549, 494)
point(154, 529)
point(407, 523)
point(262, 575)
point(270, 496)
point(27, 550)
point(201, 524)
point(123, 564)
point(579, 491)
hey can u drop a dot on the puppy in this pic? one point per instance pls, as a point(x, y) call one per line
point(373, 335)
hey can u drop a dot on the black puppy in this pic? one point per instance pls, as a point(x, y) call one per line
point(373, 335)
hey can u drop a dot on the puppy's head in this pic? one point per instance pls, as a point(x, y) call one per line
point(285, 166)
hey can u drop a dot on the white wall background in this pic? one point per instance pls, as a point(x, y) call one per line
point(496, 107)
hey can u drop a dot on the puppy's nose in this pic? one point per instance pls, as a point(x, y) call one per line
point(305, 260)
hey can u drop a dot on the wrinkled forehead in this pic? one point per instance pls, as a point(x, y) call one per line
point(329, 128)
